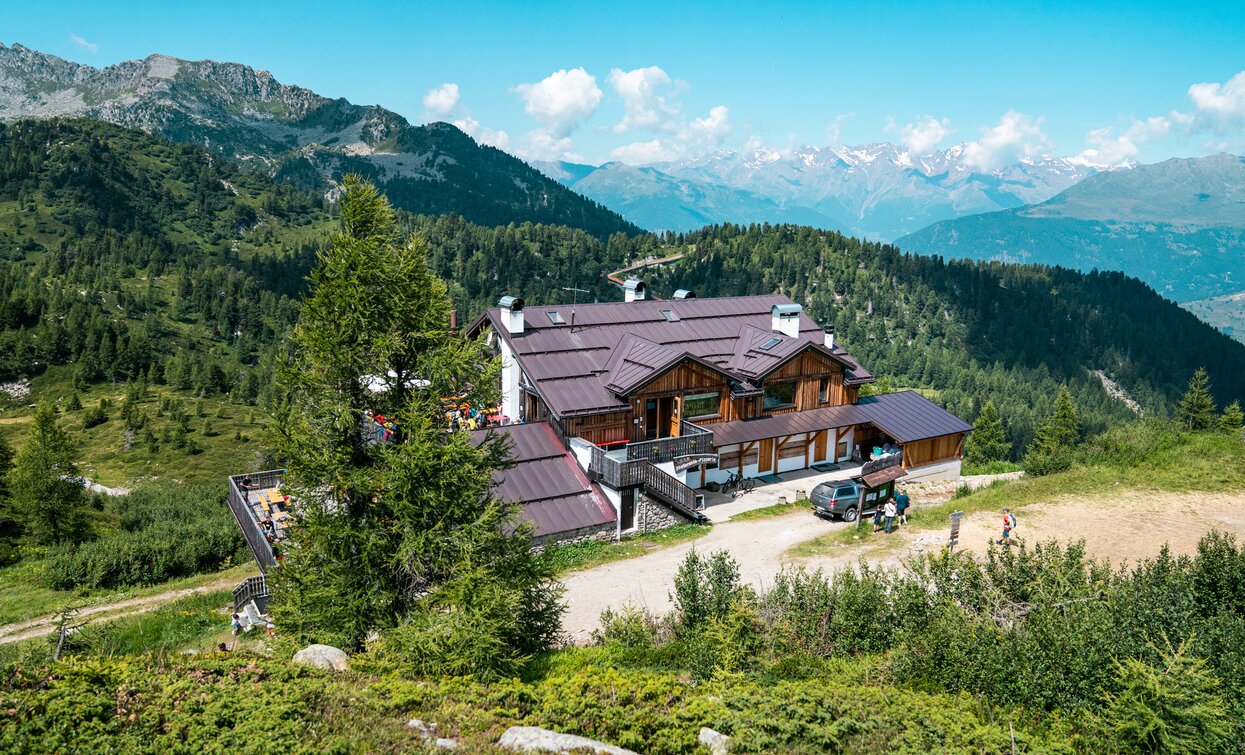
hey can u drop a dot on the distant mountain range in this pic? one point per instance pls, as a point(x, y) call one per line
point(1178, 225)
point(878, 191)
point(297, 135)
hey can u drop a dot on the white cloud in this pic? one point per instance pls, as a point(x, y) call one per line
point(713, 127)
point(1014, 137)
point(1220, 102)
point(542, 145)
point(482, 134)
point(643, 94)
point(90, 47)
point(834, 129)
point(442, 101)
point(1110, 149)
point(925, 135)
point(562, 100)
point(644, 153)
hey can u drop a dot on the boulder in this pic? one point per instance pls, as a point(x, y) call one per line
point(428, 732)
point(536, 739)
point(323, 656)
point(717, 742)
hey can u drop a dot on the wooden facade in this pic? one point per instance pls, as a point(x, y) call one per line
point(932, 450)
point(659, 405)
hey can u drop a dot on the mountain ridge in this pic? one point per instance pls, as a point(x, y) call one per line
point(879, 191)
point(1178, 225)
point(297, 135)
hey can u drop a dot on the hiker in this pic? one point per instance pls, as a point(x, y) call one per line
point(901, 506)
point(1009, 524)
point(877, 519)
point(235, 624)
point(889, 512)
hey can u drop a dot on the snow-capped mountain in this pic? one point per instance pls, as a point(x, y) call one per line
point(879, 191)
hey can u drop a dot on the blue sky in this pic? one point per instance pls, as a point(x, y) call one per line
point(652, 81)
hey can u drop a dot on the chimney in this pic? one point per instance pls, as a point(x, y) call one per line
point(512, 314)
point(829, 335)
point(685, 293)
point(785, 319)
point(634, 290)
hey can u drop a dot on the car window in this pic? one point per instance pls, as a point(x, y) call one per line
point(847, 490)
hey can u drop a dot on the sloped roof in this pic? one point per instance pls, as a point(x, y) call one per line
point(555, 493)
point(578, 370)
point(906, 416)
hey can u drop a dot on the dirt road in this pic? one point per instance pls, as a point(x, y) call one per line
point(1122, 527)
point(107, 612)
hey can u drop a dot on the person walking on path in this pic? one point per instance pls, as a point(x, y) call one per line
point(901, 506)
point(1009, 524)
point(888, 511)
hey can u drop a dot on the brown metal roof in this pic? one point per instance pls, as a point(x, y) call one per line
point(555, 493)
point(578, 370)
point(906, 416)
point(884, 476)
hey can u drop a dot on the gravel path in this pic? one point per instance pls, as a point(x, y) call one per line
point(44, 625)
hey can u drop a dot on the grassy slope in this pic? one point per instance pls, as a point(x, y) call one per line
point(1143, 456)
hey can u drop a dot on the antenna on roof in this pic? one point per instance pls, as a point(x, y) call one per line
point(574, 300)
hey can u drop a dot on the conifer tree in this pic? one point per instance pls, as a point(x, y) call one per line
point(1196, 410)
point(46, 492)
point(1056, 439)
point(1232, 418)
point(6, 464)
point(402, 537)
point(986, 442)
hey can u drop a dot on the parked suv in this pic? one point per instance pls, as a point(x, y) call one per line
point(842, 498)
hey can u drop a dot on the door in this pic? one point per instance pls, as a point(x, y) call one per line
point(650, 419)
point(676, 403)
point(665, 418)
point(765, 464)
point(626, 517)
point(819, 445)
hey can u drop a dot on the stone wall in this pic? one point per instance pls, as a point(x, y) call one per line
point(652, 515)
point(603, 532)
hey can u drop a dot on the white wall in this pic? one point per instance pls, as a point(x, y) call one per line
point(942, 470)
point(510, 374)
point(797, 462)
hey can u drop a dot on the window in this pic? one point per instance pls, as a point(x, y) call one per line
point(771, 343)
point(823, 390)
point(779, 395)
point(669, 315)
point(701, 405)
point(555, 318)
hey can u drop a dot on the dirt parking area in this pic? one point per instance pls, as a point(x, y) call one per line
point(1122, 527)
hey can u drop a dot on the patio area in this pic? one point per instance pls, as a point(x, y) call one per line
point(720, 508)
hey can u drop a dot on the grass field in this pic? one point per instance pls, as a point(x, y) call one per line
point(23, 597)
point(578, 556)
point(227, 438)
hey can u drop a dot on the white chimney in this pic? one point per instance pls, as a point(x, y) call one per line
point(685, 293)
point(634, 290)
point(828, 331)
point(785, 319)
point(512, 314)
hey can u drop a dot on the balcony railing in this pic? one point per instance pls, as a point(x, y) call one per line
point(693, 440)
point(251, 588)
point(244, 514)
point(655, 482)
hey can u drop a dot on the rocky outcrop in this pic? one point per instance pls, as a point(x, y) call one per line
point(323, 656)
point(536, 739)
point(717, 742)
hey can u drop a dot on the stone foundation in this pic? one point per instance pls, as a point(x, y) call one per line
point(603, 532)
point(651, 514)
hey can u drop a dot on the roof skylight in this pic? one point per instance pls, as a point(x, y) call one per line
point(555, 317)
point(669, 315)
point(771, 343)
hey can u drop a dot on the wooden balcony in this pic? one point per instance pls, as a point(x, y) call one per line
point(642, 474)
point(692, 440)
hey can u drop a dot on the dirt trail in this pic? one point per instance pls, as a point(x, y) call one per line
point(1122, 527)
point(46, 624)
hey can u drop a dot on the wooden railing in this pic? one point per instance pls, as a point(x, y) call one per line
point(244, 515)
point(655, 482)
point(693, 440)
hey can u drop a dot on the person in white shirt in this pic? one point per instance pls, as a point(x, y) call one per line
point(888, 512)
